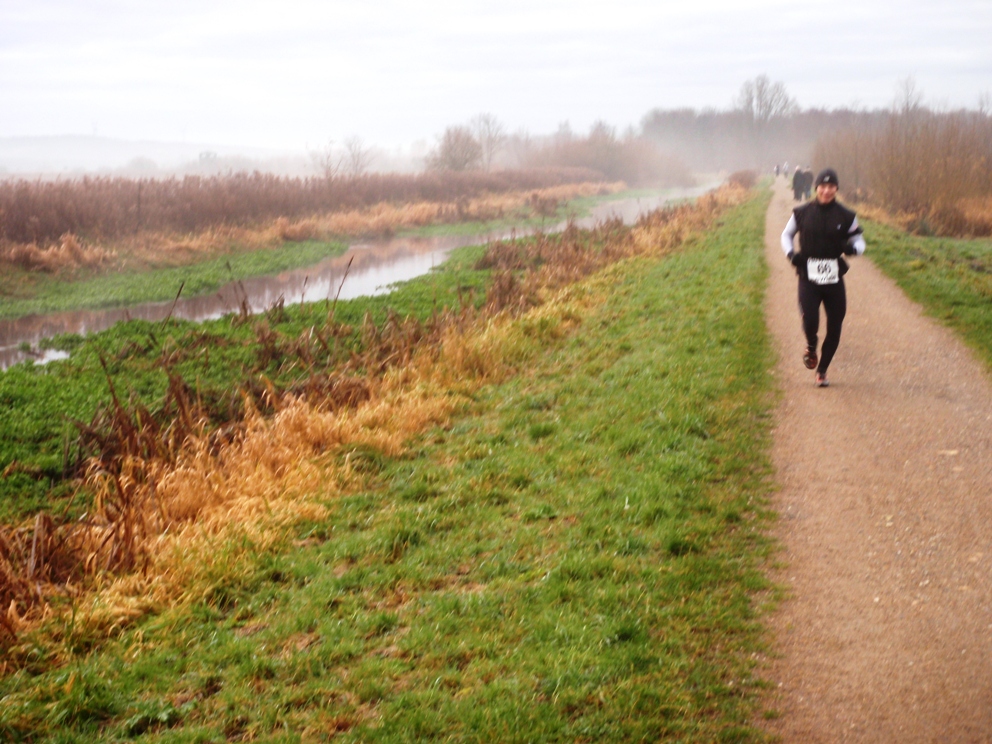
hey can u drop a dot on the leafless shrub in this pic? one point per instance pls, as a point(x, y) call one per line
point(634, 160)
point(357, 157)
point(326, 161)
point(491, 135)
point(457, 150)
point(932, 169)
point(745, 179)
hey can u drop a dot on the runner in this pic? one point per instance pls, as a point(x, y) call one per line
point(826, 230)
point(807, 182)
point(798, 187)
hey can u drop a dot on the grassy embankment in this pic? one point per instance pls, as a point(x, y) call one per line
point(574, 557)
point(37, 435)
point(221, 359)
point(951, 278)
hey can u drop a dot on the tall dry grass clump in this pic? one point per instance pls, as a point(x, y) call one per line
point(931, 170)
point(171, 488)
point(68, 253)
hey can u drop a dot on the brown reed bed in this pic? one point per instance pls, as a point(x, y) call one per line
point(929, 171)
point(150, 248)
point(112, 208)
point(171, 486)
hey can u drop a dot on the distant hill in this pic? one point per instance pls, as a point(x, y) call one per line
point(78, 154)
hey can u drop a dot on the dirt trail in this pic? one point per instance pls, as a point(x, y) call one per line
point(886, 522)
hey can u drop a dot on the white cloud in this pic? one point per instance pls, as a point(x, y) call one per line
point(292, 72)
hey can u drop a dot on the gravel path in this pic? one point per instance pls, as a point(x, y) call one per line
point(885, 508)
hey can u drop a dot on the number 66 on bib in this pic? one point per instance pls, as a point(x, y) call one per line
point(823, 270)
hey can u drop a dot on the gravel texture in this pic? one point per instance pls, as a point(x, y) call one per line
point(885, 522)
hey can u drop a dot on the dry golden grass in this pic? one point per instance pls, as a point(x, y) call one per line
point(977, 214)
point(969, 218)
point(866, 210)
point(69, 253)
point(195, 512)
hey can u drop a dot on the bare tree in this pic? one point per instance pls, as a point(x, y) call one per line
point(491, 136)
point(909, 98)
point(457, 150)
point(984, 103)
point(563, 135)
point(520, 147)
point(761, 100)
point(325, 161)
point(357, 157)
point(601, 132)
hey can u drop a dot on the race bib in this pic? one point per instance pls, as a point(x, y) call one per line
point(823, 270)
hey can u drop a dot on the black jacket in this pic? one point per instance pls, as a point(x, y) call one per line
point(824, 229)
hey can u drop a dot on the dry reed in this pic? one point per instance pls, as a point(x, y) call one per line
point(108, 209)
point(931, 171)
point(68, 252)
point(167, 248)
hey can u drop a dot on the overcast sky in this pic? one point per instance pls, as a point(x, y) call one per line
point(296, 73)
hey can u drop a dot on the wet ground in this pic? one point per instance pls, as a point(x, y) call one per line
point(374, 267)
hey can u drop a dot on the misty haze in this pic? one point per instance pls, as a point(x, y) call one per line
point(457, 371)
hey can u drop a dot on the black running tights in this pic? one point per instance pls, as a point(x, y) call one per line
point(834, 300)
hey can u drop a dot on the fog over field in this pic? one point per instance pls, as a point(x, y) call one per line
point(269, 80)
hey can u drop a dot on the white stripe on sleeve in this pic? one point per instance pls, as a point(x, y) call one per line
point(856, 239)
point(788, 234)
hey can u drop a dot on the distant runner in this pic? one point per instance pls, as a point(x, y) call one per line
point(826, 230)
point(798, 187)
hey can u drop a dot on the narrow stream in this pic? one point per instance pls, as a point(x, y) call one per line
point(375, 267)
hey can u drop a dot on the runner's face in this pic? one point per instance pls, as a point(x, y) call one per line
point(825, 193)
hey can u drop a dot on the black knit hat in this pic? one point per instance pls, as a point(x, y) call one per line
point(827, 175)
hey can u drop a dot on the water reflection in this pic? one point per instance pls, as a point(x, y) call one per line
point(375, 267)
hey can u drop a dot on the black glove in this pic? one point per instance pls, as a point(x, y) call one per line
point(849, 250)
point(796, 259)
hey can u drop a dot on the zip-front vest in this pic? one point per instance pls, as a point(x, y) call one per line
point(824, 229)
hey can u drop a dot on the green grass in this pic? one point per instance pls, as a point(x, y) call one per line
point(573, 559)
point(42, 294)
point(951, 279)
point(39, 404)
point(25, 293)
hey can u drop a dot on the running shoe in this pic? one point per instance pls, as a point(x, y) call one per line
point(821, 380)
point(809, 357)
